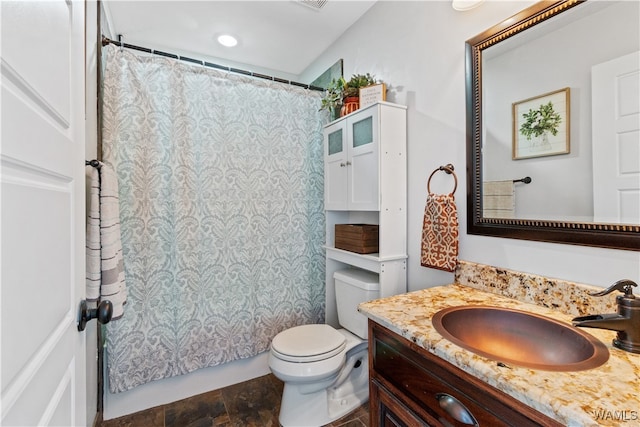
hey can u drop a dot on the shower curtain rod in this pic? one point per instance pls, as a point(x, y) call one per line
point(106, 41)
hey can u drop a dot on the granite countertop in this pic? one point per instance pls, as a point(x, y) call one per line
point(605, 396)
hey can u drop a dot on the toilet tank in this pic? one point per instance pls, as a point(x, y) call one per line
point(354, 286)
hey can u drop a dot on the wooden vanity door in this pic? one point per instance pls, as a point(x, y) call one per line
point(387, 411)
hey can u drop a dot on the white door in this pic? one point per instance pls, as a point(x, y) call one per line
point(42, 199)
point(616, 140)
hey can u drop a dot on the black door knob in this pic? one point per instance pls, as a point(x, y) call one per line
point(103, 313)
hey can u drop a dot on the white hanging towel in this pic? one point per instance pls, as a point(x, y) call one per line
point(498, 199)
point(105, 265)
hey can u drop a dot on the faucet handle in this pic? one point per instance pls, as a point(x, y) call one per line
point(624, 285)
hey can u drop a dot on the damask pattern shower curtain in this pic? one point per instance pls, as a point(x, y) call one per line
point(221, 193)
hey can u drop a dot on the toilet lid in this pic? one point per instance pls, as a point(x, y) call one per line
point(308, 343)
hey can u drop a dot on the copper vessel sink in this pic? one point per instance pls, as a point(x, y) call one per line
point(515, 337)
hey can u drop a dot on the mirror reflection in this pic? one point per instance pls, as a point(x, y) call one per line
point(561, 106)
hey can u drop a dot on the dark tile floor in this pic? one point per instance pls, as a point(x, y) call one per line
point(253, 403)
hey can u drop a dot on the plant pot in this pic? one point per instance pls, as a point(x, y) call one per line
point(334, 113)
point(350, 104)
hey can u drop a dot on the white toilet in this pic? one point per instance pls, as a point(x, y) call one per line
point(326, 370)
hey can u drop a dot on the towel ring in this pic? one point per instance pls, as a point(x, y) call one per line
point(448, 169)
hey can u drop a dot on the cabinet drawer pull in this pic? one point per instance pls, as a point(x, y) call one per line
point(457, 410)
point(342, 165)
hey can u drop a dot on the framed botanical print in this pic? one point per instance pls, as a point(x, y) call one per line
point(541, 125)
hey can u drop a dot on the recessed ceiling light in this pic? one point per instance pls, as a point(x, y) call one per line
point(227, 40)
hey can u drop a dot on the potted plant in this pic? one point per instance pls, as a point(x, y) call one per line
point(352, 87)
point(333, 96)
point(351, 100)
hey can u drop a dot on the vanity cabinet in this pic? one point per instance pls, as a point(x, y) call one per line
point(411, 387)
point(365, 167)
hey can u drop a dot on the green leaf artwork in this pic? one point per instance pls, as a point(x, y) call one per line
point(541, 121)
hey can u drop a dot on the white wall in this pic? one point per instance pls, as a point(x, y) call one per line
point(417, 48)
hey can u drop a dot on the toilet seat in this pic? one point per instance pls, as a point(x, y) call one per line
point(308, 343)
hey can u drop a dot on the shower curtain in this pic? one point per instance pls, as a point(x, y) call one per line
point(221, 204)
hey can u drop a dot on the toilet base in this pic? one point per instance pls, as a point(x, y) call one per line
point(325, 406)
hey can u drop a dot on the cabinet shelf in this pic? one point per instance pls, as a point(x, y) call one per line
point(369, 262)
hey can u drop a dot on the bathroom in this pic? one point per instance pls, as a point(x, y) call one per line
point(418, 49)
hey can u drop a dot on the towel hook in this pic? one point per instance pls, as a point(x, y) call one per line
point(449, 169)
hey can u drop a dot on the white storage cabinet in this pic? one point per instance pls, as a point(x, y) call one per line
point(365, 160)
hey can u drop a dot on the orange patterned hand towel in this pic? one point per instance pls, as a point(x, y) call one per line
point(440, 233)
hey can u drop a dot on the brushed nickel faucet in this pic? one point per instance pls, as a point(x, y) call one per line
point(626, 321)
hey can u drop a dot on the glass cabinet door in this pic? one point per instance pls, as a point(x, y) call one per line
point(335, 167)
point(363, 158)
point(351, 162)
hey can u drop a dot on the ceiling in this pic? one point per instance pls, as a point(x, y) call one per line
point(281, 36)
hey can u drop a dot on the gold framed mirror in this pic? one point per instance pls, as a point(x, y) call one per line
point(502, 71)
